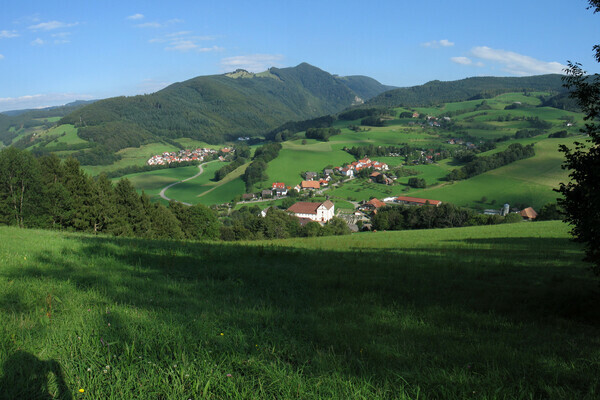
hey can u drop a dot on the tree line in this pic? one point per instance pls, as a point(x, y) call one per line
point(445, 215)
point(479, 165)
point(257, 170)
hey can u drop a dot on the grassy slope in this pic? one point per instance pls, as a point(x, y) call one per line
point(529, 182)
point(484, 312)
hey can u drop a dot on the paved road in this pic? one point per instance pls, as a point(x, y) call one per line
point(162, 192)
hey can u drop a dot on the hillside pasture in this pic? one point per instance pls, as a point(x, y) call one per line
point(484, 312)
point(194, 190)
point(131, 156)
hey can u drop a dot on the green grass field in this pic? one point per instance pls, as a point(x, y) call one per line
point(204, 190)
point(131, 156)
point(496, 312)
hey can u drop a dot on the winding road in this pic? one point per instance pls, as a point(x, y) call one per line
point(162, 192)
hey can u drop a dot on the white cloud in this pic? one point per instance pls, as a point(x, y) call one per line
point(184, 41)
point(61, 34)
point(462, 60)
point(8, 34)
point(40, 100)
point(150, 25)
point(252, 62)
point(159, 24)
point(517, 64)
point(438, 43)
point(1, 56)
point(136, 16)
point(51, 25)
point(37, 42)
point(466, 61)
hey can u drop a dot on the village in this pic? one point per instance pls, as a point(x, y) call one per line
point(317, 183)
point(180, 156)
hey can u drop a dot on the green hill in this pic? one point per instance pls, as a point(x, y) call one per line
point(220, 107)
point(437, 92)
point(485, 312)
point(18, 123)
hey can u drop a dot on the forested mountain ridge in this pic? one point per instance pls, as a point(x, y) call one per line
point(216, 108)
point(437, 92)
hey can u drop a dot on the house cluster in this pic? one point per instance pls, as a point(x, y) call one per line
point(356, 166)
point(180, 156)
point(461, 142)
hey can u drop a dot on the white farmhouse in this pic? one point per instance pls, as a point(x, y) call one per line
point(320, 212)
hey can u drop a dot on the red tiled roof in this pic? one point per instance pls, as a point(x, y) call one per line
point(310, 185)
point(304, 207)
point(529, 213)
point(376, 203)
point(280, 185)
point(418, 200)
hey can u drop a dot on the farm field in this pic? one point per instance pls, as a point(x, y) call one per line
point(131, 156)
point(528, 182)
point(152, 182)
point(501, 311)
point(204, 190)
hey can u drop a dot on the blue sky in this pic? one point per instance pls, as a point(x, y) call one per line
point(54, 52)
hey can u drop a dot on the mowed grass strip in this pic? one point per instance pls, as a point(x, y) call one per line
point(484, 312)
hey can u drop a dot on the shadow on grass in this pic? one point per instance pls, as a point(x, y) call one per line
point(448, 316)
point(27, 377)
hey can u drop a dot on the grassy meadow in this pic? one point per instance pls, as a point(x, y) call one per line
point(491, 312)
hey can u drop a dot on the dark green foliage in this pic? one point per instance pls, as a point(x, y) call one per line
point(405, 114)
point(226, 169)
point(164, 224)
point(289, 129)
point(131, 211)
point(511, 218)
point(197, 222)
point(267, 152)
point(581, 195)
point(417, 183)
point(527, 133)
point(479, 165)
point(97, 155)
point(549, 212)
point(437, 92)
point(372, 121)
point(412, 153)
point(256, 172)
point(358, 113)
point(562, 101)
point(427, 217)
point(322, 134)
point(559, 134)
point(132, 169)
point(364, 87)
point(214, 108)
point(20, 188)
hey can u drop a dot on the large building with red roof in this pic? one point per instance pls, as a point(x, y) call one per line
point(415, 201)
point(320, 212)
